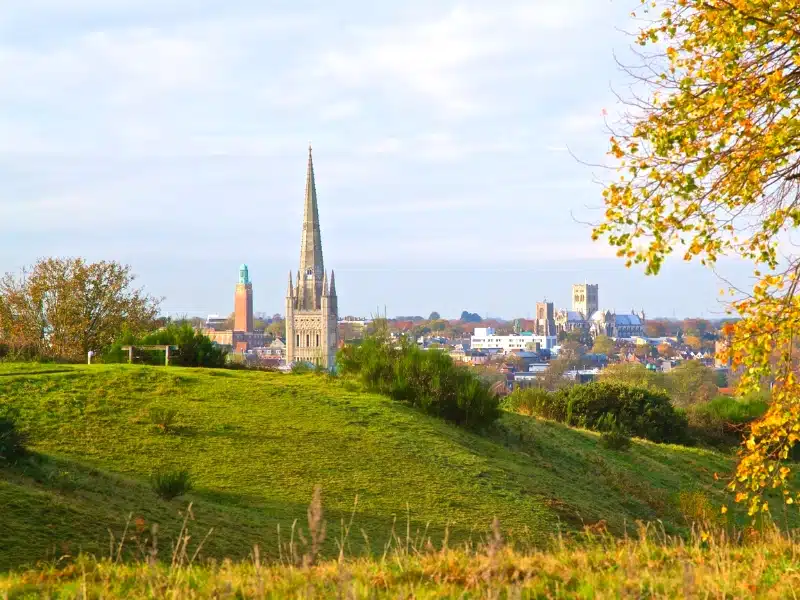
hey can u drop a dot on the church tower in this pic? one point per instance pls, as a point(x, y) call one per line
point(585, 299)
point(311, 303)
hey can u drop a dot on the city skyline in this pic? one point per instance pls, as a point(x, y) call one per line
point(172, 138)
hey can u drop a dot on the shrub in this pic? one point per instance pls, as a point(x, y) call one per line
point(535, 401)
point(163, 418)
point(724, 420)
point(12, 440)
point(643, 413)
point(171, 484)
point(636, 411)
point(428, 380)
point(615, 439)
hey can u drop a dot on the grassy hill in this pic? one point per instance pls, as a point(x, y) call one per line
point(257, 443)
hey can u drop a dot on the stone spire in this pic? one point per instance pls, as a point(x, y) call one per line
point(325, 284)
point(290, 291)
point(311, 241)
point(332, 291)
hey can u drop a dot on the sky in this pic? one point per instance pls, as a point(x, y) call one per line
point(451, 142)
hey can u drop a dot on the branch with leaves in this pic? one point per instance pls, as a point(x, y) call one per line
point(709, 163)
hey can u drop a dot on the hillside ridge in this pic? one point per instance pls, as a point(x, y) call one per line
point(256, 444)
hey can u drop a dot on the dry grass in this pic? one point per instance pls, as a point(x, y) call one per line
point(590, 565)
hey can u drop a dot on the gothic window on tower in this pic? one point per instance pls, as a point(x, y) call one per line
point(308, 341)
point(317, 340)
point(298, 340)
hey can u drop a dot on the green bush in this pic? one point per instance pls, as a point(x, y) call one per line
point(638, 411)
point(643, 413)
point(163, 418)
point(171, 484)
point(12, 440)
point(537, 402)
point(724, 420)
point(428, 380)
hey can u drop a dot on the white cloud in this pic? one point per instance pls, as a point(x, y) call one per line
point(439, 60)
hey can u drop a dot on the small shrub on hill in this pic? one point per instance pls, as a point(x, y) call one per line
point(537, 402)
point(634, 410)
point(163, 418)
point(723, 421)
point(12, 440)
point(169, 484)
point(428, 380)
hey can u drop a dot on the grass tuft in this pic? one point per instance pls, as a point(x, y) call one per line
point(163, 418)
point(169, 484)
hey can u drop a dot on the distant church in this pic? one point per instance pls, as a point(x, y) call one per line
point(311, 304)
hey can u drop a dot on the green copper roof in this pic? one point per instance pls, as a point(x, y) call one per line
point(244, 276)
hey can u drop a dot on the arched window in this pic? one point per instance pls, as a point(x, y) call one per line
point(298, 340)
point(317, 340)
point(308, 341)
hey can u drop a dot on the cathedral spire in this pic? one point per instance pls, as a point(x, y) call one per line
point(311, 241)
point(333, 285)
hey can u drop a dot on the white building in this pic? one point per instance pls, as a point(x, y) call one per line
point(485, 338)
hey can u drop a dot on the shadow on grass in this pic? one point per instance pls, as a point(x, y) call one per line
point(38, 372)
point(54, 506)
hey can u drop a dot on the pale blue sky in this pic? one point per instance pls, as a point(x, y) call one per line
point(172, 135)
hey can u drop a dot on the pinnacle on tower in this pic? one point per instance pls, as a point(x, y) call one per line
point(325, 284)
point(290, 291)
point(332, 290)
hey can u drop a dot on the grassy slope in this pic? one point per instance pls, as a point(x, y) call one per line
point(256, 443)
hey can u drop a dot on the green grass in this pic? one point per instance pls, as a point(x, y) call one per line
point(257, 443)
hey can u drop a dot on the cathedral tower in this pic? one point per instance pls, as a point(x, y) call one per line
point(311, 303)
point(585, 299)
point(243, 303)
